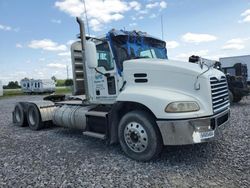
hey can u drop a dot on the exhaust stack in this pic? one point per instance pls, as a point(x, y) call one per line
point(83, 42)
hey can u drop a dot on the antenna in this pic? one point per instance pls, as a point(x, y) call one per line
point(161, 27)
point(86, 16)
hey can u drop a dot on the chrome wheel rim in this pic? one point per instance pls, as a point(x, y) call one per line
point(136, 137)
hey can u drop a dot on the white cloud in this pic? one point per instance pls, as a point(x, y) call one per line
point(172, 44)
point(133, 18)
point(41, 59)
point(64, 54)
point(198, 38)
point(163, 4)
point(141, 17)
point(186, 55)
point(70, 42)
point(246, 15)
point(56, 65)
point(133, 24)
point(246, 12)
point(47, 44)
point(152, 16)
point(99, 12)
point(235, 44)
point(56, 21)
point(246, 19)
point(142, 12)
point(152, 5)
point(135, 5)
point(9, 28)
point(18, 45)
point(5, 28)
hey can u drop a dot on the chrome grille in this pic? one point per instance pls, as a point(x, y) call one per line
point(220, 96)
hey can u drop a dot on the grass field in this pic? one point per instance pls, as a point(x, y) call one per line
point(18, 92)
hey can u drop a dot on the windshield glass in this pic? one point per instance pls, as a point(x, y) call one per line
point(127, 45)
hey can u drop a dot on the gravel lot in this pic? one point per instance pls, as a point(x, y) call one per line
point(58, 157)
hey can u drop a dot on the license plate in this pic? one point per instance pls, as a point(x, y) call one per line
point(208, 134)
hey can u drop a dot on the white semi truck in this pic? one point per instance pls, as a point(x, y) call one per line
point(135, 96)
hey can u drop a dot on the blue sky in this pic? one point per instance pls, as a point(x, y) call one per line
point(35, 35)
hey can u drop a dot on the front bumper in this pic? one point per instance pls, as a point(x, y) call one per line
point(191, 131)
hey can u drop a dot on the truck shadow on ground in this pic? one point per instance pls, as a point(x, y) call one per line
point(173, 155)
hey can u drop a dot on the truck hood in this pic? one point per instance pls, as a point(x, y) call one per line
point(172, 66)
point(165, 77)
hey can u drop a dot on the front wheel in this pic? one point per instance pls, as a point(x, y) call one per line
point(139, 136)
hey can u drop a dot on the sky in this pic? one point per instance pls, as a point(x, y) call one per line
point(35, 35)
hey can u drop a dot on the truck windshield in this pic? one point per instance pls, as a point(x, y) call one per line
point(127, 45)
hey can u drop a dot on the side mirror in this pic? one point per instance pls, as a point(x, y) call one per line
point(90, 53)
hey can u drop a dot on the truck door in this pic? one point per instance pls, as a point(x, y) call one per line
point(105, 82)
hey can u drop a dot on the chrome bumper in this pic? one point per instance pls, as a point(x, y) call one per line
point(182, 132)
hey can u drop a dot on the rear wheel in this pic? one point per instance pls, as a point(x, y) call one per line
point(139, 136)
point(34, 118)
point(231, 97)
point(19, 117)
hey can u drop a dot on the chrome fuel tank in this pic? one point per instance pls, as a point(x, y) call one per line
point(71, 116)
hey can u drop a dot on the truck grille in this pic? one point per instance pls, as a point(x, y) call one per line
point(220, 96)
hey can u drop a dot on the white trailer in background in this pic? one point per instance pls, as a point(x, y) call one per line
point(231, 61)
point(38, 86)
point(1, 88)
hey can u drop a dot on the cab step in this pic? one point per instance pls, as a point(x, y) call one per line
point(94, 134)
point(97, 114)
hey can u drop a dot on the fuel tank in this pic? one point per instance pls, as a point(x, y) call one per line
point(71, 116)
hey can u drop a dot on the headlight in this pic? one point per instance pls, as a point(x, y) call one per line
point(176, 107)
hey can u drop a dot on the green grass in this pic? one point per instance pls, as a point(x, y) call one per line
point(18, 92)
point(63, 90)
point(12, 92)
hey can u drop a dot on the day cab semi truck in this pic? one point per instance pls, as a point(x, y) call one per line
point(135, 96)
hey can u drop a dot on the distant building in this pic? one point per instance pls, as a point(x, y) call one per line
point(1, 88)
point(231, 61)
point(38, 86)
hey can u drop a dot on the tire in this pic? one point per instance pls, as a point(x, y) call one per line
point(231, 97)
point(34, 118)
point(237, 98)
point(139, 136)
point(19, 116)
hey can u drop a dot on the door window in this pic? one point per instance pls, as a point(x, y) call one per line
point(104, 56)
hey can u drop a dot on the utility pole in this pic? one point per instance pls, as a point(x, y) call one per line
point(86, 16)
point(67, 72)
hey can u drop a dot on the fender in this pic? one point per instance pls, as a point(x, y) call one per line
point(46, 109)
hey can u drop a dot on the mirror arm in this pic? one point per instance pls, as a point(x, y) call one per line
point(106, 74)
